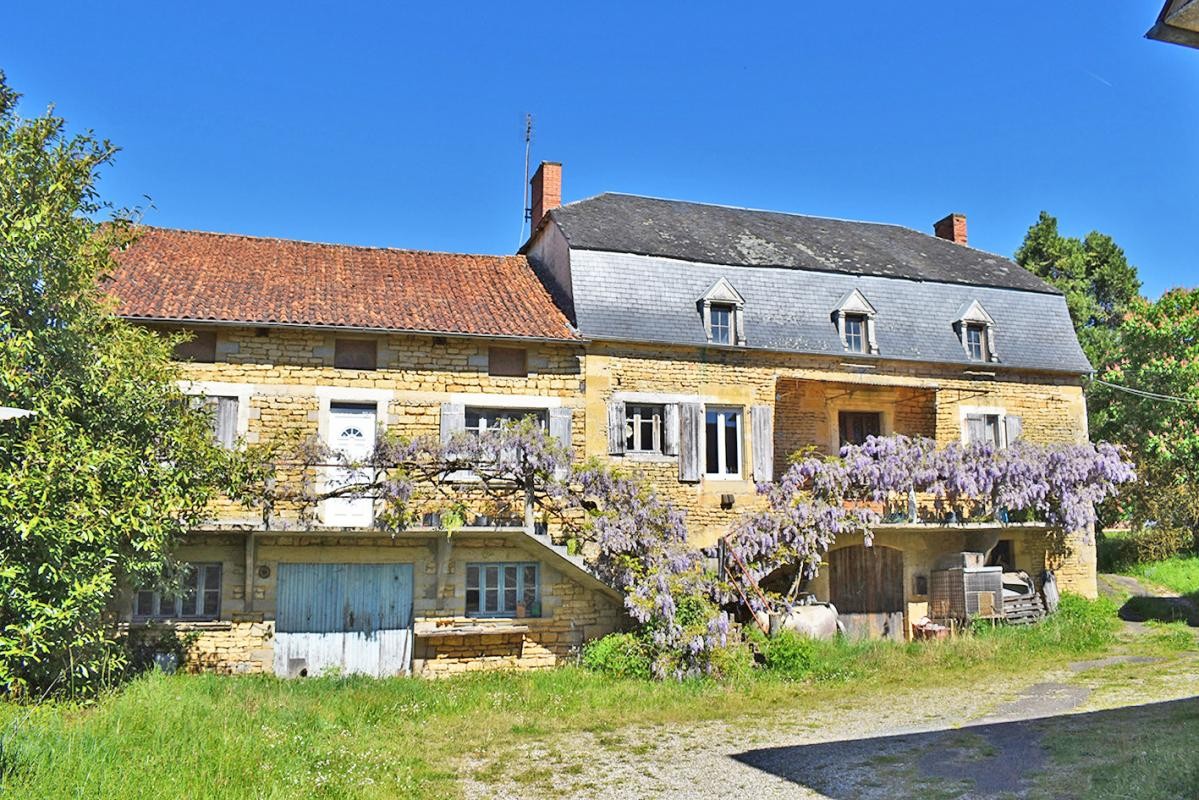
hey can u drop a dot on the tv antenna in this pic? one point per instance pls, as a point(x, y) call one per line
point(527, 210)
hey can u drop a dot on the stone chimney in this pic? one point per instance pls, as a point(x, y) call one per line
point(547, 191)
point(952, 228)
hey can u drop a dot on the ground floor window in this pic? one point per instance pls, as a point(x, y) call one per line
point(199, 597)
point(644, 427)
point(984, 428)
point(496, 590)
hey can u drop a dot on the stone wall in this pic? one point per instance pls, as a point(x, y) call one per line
point(574, 607)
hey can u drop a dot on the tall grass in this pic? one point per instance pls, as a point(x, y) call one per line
point(259, 737)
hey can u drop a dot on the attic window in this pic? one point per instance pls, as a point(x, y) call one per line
point(976, 330)
point(200, 348)
point(854, 318)
point(355, 354)
point(721, 310)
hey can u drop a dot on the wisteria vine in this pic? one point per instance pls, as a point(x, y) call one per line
point(819, 498)
point(627, 533)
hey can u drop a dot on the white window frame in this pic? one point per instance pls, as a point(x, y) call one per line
point(635, 419)
point(721, 323)
point(483, 586)
point(858, 342)
point(199, 570)
point(722, 413)
point(983, 350)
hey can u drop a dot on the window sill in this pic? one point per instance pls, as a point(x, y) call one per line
point(649, 457)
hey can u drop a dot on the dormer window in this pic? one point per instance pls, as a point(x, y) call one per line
point(720, 327)
point(855, 333)
point(854, 318)
point(976, 341)
point(976, 330)
point(721, 310)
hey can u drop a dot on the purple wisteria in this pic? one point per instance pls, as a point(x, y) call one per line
point(627, 534)
point(819, 499)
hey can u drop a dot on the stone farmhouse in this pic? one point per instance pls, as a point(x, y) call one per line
point(700, 344)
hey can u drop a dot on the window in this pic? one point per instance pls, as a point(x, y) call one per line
point(510, 362)
point(222, 413)
point(721, 324)
point(723, 443)
point(355, 354)
point(976, 342)
point(200, 596)
point(984, 428)
point(644, 426)
point(482, 419)
point(495, 590)
point(856, 426)
point(721, 308)
point(855, 333)
point(201, 348)
point(976, 330)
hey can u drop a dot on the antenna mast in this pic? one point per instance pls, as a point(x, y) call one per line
point(527, 213)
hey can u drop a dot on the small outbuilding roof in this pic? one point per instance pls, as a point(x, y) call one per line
point(195, 276)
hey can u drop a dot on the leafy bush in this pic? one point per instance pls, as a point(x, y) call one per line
point(1120, 550)
point(621, 655)
point(789, 654)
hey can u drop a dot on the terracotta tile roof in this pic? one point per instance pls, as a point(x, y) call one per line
point(214, 277)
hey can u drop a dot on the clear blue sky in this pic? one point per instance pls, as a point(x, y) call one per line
point(374, 124)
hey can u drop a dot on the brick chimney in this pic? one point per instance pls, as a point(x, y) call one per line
point(547, 191)
point(952, 228)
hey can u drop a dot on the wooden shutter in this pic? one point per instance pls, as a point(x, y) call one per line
point(976, 428)
point(560, 419)
point(453, 420)
point(761, 420)
point(670, 429)
point(691, 423)
point(1014, 428)
point(225, 420)
point(616, 428)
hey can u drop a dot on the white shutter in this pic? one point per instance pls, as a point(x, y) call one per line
point(225, 420)
point(1014, 428)
point(691, 423)
point(453, 420)
point(670, 429)
point(761, 419)
point(976, 428)
point(560, 424)
point(616, 428)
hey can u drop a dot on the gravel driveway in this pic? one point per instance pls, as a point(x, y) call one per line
point(985, 742)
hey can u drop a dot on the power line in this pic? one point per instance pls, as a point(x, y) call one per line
point(1146, 395)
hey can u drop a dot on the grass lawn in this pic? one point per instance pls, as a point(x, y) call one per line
point(1180, 573)
point(219, 737)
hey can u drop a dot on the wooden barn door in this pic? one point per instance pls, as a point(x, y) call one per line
point(353, 618)
point(866, 586)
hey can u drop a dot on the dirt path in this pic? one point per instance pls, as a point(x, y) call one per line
point(987, 741)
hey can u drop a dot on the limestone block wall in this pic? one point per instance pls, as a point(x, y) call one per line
point(286, 381)
point(574, 608)
point(806, 394)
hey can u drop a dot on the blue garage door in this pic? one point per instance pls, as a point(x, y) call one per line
point(352, 618)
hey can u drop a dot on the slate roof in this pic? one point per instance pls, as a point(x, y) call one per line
point(214, 277)
point(715, 234)
point(627, 297)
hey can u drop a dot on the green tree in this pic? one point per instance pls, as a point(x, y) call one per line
point(1095, 276)
point(115, 465)
point(1159, 422)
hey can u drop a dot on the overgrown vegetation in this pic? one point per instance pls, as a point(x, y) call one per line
point(221, 737)
point(114, 465)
